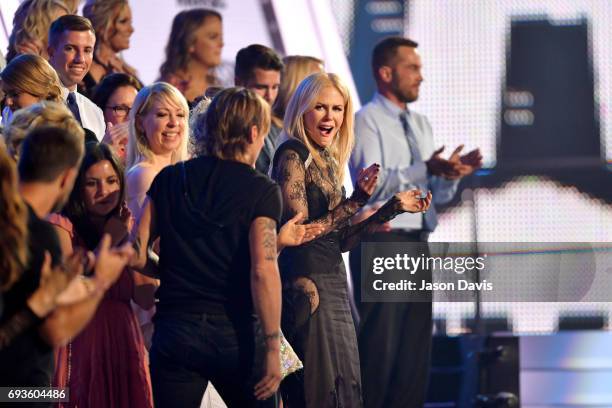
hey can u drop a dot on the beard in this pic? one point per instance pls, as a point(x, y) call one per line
point(404, 95)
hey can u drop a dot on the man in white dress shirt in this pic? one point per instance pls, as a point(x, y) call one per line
point(71, 46)
point(395, 337)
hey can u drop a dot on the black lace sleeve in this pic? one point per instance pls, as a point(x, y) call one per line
point(290, 174)
point(350, 236)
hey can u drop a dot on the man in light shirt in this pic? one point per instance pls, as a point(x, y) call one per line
point(71, 46)
point(401, 141)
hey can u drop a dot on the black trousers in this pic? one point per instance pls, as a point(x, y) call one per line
point(394, 341)
point(190, 350)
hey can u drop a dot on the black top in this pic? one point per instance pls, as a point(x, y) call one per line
point(204, 209)
point(28, 360)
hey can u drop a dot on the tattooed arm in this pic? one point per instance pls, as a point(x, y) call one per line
point(143, 236)
point(290, 174)
point(266, 292)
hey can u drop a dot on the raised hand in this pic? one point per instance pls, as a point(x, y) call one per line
point(53, 281)
point(110, 261)
point(116, 136)
point(438, 166)
point(119, 225)
point(411, 201)
point(466, 164)
point(293, 233)
point(367, 179)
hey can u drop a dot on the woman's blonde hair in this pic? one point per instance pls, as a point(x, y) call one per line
point(103, 14)
point(297, 67)
point(33, 74)
point(45, 113)
point(13, 224)
point(138, 146)
point(32, 21)
point(224, 128)
point(303, 100)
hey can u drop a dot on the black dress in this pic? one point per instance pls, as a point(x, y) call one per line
point(317, 318)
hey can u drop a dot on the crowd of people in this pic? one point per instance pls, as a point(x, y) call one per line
point(160, 237)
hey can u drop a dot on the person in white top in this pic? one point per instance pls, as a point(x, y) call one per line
point(71, 44)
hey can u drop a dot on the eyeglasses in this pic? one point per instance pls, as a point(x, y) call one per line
point(120, 110)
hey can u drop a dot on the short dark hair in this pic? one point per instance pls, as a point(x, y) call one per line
point(48, 151)
point(69, 22)
point(386, 50)
point(109, 84)
point(256, 56)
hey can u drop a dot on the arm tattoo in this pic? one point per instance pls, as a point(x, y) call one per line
point(269, 239)
point(137, 244)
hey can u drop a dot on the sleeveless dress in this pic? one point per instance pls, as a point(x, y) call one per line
point(317, 318)
point(104, 365)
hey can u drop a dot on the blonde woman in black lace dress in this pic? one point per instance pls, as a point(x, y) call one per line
point(309, 167)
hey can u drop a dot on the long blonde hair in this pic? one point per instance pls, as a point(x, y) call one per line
point(32, 21)
point(13, 224)
point(45, 113)
point(33, 74)
point(297, 67)
point(138, 146)
point(303, 100)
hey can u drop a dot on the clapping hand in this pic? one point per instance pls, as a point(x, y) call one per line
point(293, 233)
point(110, 261)
point(116, 136)
point(53, 281)
point(367, 179)
point(411, 201)
point(466, 164)
point(118, 226)
point(439, 166)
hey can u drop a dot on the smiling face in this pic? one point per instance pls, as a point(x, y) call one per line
point(122, 30)
point(208, 42)
point(101, 189)
point(72, 56)
point(119, 104)
point(163, 126)
point(323, 121)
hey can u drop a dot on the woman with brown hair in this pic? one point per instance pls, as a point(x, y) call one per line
point(104, 365)
point(193, 50)
point(115, 95)
point(112, 22)
point(26, 80)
